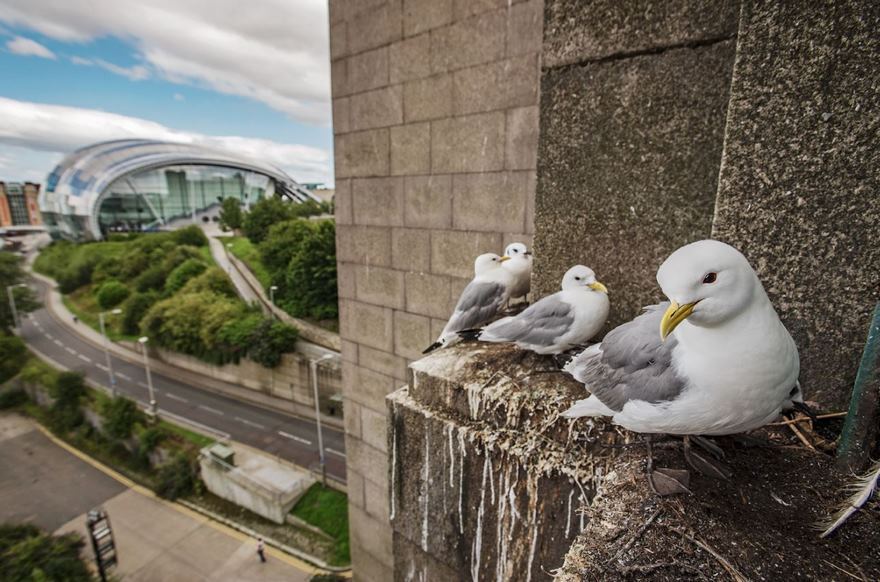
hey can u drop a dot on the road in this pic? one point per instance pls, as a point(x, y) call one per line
point(291, 438)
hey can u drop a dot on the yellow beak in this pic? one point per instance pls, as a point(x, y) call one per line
point(674, 315)
point(504, 258)
point(597, 286)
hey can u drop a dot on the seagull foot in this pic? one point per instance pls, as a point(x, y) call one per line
point(706, 464)
point(662, 481)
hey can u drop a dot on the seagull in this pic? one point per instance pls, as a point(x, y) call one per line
point(520, 264)
point(557, 322)
point(713, 360)
point(480, 301)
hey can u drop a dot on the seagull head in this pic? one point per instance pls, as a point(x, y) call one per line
point(517, 250)
point(487, 262)
point(580, 277)
point(708, 282)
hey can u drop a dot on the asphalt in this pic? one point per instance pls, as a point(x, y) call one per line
point(291, 438)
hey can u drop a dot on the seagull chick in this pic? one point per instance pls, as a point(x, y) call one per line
point(557, 322)
point(520, 265)
point(715, 360)
point(480, 301)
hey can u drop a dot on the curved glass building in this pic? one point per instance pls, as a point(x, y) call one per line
point(142, 185)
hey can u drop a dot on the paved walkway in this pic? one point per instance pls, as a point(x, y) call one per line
point(156, 540)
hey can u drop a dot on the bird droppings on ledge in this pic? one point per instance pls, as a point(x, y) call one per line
point(484, 468)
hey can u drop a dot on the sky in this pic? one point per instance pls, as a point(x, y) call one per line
point(250, 77)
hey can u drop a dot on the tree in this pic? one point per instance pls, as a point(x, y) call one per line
point(26, 553)
point(230, 213)
point(281, 244)
point(111, 294)
point(11, 273)
point(182, 273)
point(13, 355)
point(311, 275)
point(262, 216)
point(120, 415)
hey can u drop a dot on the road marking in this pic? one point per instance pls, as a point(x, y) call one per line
point(58, 343)
point(143, 384)
point(84, 358)
point(249, 423)
point(123, 376)
point(101, 367)
point(334, 452)
point(176, 397)
point(294, 437)
point(211, 410)
point(50, 336)
point(71, 351)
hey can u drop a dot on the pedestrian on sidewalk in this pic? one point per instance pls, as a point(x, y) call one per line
point(261, 549)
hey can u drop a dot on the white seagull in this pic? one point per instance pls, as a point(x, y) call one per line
point(557, 322)
point(480, 301)
point(520, 264)
point(716, 360)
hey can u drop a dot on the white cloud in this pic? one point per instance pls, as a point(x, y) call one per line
point(55, 128)
point(274, 51)
point(179, 97)
point(133, 73)
point(29, 48)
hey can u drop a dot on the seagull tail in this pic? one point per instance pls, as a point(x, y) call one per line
point(591, 406)
point(434, 346)
point(470, 334)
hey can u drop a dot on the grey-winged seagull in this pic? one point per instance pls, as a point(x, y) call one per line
point(520, 265)
point(480, 301)
point(714, 360)
point(558, 322)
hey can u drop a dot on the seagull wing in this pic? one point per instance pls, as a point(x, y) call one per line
point(631, 363)
point(479, 302)
point(541, 324)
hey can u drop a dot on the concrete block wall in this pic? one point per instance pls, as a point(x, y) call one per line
point(435, 115)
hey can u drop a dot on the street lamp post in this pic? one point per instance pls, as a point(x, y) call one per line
point(107, 349)
point(16, 324)
point(272, 290)
point(314, 366)
point(153, 410)
point(228, 260)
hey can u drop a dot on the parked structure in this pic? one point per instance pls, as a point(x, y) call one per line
point(19, 204)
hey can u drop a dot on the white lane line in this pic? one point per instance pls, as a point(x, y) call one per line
point(334, 452)
point(211, 410)
point(294, 437)
point(71, 351)
point(58, 343)
point(176, 397)
point(143, 384)
point(84, 358)
point(50, 336)
point(123, 376)
point(249, 423)
point(101, 367)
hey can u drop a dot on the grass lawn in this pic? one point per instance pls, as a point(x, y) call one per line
point(82, 303)
point(245, 251)
point(195, 438)
point(327, 509)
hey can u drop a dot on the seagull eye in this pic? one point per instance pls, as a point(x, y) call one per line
point(577, 278)
point(710, 278)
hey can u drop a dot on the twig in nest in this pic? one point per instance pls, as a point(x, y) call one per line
point(847, 572)
point(801, 436)
point(645, 568)
point(638, 534)
point(807, 418)
point(856, 566)
point(734, 573)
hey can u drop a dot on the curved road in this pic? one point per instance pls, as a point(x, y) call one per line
point(291, 438)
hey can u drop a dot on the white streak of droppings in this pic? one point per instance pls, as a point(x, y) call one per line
point(491, 480)
point(532, 489)
point(583, 499)
point(477, 546)
point(568, 515)
point(393, 459)
point(473, 392)
point(451, 457)
point(426, 490)
point(463, 452)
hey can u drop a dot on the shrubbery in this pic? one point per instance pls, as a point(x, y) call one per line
point(120, 415)
point(65, 414)
point(177, 478)
point(231, 216)
point(135, 309)
point(182, 273)
point(190, 235)
point(13, 355)
point(111, 293)
point(11, 273)
point(26, 553)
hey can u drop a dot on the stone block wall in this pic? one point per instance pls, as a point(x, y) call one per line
point(435, 115)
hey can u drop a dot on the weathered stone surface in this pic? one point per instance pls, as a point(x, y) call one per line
point(522, 140)
point(366, 324)
point(489, 201)
point(499, 85)
point(429, 98)
point(377, 201)
point(411, 149)
point(453, 252)
point(410, 59)
point(410, 249)
point(525, 26)
point(475, 40)
point(367, 71)
point(799, 191)
point(376, 26)
point(422, 15)
point(365, 153)
point(628, 167)
point(378, 108)
point(576, 31)
point(363, 244)
point(428, 201)
point(385, 363)
point(474, 143)
point(380, 286)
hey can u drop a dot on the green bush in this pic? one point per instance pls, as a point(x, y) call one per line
point(11, 273)
point(310, 289)
point(65, 414)
point(213, 280)
point(27, 554)
point(280, 244)
point(179, 255)
point(111, 294)
point(10, 398)
point(269, 341)
point(262, 216)
point(120, 415)
point(134, 310)
point(13, 355)
point(191, 235)
point(150, 439)
point(189, 323)
point(182, 273)
point(176, 478)
point(230, 214)
point(152, 279)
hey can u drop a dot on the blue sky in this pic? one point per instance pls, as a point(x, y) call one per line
point(255, 82)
